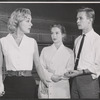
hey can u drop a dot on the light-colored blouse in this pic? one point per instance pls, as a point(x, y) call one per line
point(18, 57)
point(60, 61)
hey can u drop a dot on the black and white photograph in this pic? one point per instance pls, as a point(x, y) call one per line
point(49, 50)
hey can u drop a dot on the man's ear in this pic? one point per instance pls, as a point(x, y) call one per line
point(90, 20)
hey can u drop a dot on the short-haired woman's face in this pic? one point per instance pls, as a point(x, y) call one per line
point(56, 35)
point(25, 25)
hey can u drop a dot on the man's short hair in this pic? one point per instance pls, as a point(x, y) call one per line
point(89, 12)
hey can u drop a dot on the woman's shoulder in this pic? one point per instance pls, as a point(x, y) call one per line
point(31, 39)
point(69, 50)
point(4, 37)
point(47, 47)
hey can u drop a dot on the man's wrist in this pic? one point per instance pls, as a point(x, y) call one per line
point(80, 72)
point(84, 71)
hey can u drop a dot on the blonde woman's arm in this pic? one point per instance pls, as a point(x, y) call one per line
point(39, 68)
point(1, 80)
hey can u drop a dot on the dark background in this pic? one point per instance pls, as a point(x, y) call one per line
point(46, 14)
point(59, 12)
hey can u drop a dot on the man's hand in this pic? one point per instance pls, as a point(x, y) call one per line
point(66, 75)
point(56, 78)
point(73, 73)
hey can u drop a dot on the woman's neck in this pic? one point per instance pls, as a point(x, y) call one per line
point(18, 35)
point(57, 45)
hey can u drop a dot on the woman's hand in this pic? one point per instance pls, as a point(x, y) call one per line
point(44, 89)
point(50, 70)
point(56, 78)
point(2, 92)
point(45, 82)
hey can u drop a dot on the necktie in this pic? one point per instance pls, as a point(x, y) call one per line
point(79, 51)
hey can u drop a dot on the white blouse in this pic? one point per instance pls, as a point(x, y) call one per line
point(18, 57)
point(59, 61)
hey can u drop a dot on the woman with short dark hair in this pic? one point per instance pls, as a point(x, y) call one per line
point(56, 60)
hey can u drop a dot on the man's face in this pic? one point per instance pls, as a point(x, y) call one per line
point(82, 20)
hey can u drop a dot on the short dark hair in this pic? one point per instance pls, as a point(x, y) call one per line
point(89, 12)
point(62, 28)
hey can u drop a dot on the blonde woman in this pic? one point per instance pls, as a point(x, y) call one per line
point(19, 53)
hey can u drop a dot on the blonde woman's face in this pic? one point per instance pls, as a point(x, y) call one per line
point(56, 35)
point(25, 25)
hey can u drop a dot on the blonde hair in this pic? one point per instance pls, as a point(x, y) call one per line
point(17, 16)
